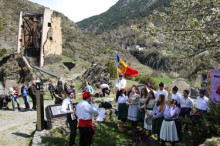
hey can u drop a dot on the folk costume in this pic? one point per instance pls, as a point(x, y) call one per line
point(168, 130)
point(164, 92)
point(72, 120)
point(122, 107)
point(176, 95)
point(149, 105)
point(141, 106)
point(186, 105)
point(85, 111)
point(120, 84)
point(133, 110)
point(202, 102)
point(157, 121)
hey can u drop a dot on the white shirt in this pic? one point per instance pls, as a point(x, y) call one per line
point(186, 102)
point(104, 86)
point(164, 92)
point(121, 83)
point(65, 106)
point(121, 99)
point(176, 96)
point(84, 110)
point(202, 103)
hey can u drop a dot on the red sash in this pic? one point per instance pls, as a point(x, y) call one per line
point(87, 123)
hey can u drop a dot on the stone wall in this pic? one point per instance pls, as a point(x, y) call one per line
point(53, 43)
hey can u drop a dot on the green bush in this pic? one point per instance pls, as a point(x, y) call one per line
point(142, 79)
point(111, 68)
point(199, 130)
point(3, 51)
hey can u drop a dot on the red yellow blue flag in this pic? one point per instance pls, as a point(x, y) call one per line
point(125, 69)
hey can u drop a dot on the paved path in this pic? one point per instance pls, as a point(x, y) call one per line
point(16, 127)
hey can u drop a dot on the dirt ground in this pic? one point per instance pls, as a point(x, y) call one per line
point(17, 127)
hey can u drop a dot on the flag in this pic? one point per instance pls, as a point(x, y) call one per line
point(125, 69)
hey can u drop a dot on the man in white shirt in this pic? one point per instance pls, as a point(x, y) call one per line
point(120, 84)
point(186, 103)
point(175, 94)
point(72, 120)
point(202, 102)
point(105, 89)
point(162, 91)
point(84, 111)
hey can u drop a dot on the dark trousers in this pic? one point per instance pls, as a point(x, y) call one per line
point(85, 136)
point(73, 127)
point(117, 95)
point(51, 94)
point(105, 90)
point(34, 101)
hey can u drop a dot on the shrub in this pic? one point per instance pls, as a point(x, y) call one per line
point(111, 68)
point(142, 79)
point(200, 129)
point(3, 51)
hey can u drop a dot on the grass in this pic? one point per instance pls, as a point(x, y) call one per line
point(66, 59)
point(162, 79)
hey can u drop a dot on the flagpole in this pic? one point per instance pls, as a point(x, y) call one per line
point(116, 63)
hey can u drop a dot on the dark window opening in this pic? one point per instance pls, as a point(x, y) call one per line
point(49, 24)
point(51, 38)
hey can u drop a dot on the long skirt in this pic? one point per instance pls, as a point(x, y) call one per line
point(146, 125)
point(141, 115)
point(156, 125)
point(133, 112)
point(168, 131)
point(122, 111)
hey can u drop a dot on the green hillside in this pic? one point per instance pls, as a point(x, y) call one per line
point(124, 12)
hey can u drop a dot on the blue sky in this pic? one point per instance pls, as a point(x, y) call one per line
point(77, 10)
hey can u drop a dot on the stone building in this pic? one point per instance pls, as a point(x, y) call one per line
point(39, 36)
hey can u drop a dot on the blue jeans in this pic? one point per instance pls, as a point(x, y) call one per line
point(26, 101)
point(14, 99)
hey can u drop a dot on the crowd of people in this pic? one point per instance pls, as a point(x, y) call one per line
point(158, 114)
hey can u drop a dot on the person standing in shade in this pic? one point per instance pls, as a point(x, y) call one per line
point(89, 88)
point(72, 87)
point(202, 102)
point(24, 93)
point(51, 89)
point(162, 91)
point(120, 84)
point(72, 120)
point(59, 83)
point(143, 99)
point(133, 111)
point(105, 89)
point(122, 107)
point(149, 105)
point(152, 88)
point(157, 115)
point(15, 96)
point(32, 92)
point(176, 95)
point(186, 104)
point(84, 111)
point(147, 86)
point(169, 130)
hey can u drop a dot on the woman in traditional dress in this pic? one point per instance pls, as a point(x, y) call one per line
point(122, 107)
point(168, 130)
point(142, 102)
point(133, 102)
point(157, 115)
point(149, 105)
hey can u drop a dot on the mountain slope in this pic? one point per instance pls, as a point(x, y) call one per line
point(124, 12)
point(78, 45)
